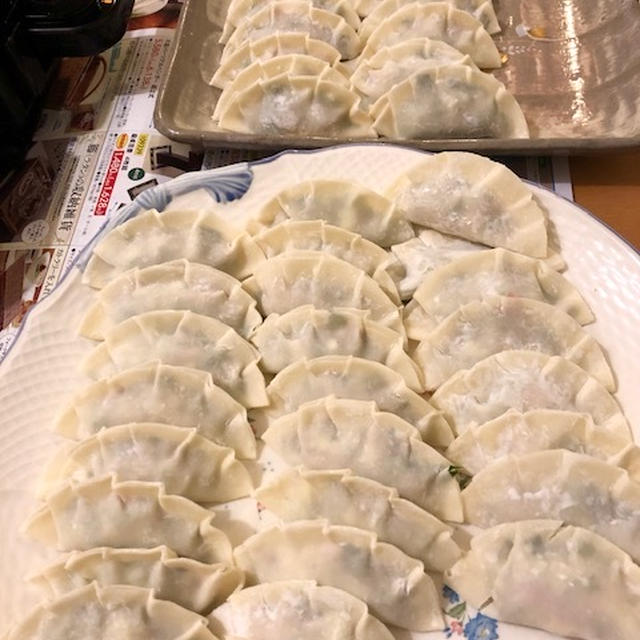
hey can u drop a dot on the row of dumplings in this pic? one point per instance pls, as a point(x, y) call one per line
point(376, 472)
point(393, 68)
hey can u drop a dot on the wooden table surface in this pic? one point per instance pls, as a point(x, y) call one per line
point(609, 186)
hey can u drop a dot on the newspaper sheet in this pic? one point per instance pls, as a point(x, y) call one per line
point(94, 151)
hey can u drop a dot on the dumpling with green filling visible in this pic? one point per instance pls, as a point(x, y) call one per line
point(297, 105)
point(546, 575)
point(391, 583)
point(296, 16)
point(438, 21)
point(454, 101)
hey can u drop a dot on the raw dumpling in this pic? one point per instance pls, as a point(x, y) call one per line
point(566, 580)
point(562, 485)
point(111, 613)
point(239, 10)
point(107, 513)
point(293, 64)
point(306, 332)
point(481, 10)
point(432, 249)
point(336, 434)
point(160, 393)
point(193, 585)
point(317, 235)
point(498, 323)
point(628, 459)
point(296, 610)
point(428, 251)
point(393, 585)
point(271, 46)
point(345, 499)
point(152, 237)
point(355, 379)
point(486, 273)
point(179, 285)
point(343, 204)
point(526, 380)
point(518, 433)
point(185, 463)
point(300, 105)
point(454, 101)
point(298, 278)
point(391, 65)
point(182, 338)
point(472, 197)
point(438, 21)
point(296, 16)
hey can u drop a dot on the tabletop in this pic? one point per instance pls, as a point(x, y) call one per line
point(608, 185)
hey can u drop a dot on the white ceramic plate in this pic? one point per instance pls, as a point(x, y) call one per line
point(41, 370)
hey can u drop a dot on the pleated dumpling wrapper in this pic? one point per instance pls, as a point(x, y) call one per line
point(297, 105)
point(307, 332)
point(185, 463)
point(392, 65)
point(318, 235)
point(184, 339)
point(355, 379)
point(160, 393)
point(486, 273)
point(344, 204)
point(271, 46)
point(472, 197)
point(193, 585)
point(197, 235)
point(497, 323)
point(526, 380)
point(454, 101)
point(393, 585)
point(544, 574)
point(292, 64)
point(423, 254)
point(431, 249)
point(558, 484)
point(298, 278)
point(108, 513)
point(438, 21)
point(111, 613)
point(178, 285)
point(239, 10)
point(296, 15)
point(345, 499)
point(482, 10)
point(296, 610)
point(515, 433)
point(333, 433)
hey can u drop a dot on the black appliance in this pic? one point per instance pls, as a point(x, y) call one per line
point(33, 34)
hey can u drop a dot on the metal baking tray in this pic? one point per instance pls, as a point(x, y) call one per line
point(573, 65)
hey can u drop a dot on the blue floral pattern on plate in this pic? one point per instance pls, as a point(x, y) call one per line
point(461, 624)
point(223, 185)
